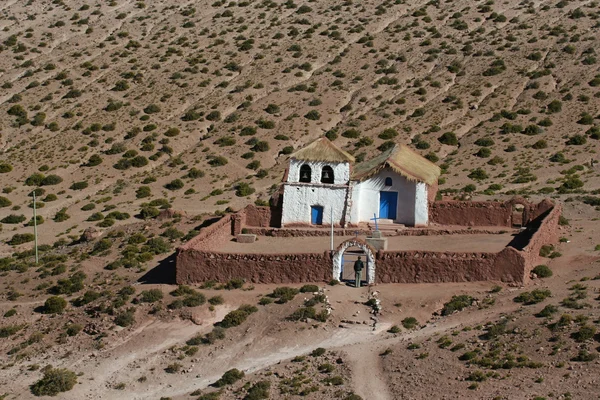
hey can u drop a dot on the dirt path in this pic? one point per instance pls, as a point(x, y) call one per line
point(367, 375)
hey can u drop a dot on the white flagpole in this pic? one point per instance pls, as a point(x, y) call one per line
point(331, 213)
point(35, 228)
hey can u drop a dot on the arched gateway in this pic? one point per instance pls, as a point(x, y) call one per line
point(369, 251)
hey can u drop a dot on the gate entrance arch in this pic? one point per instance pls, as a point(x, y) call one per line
point(369, 252)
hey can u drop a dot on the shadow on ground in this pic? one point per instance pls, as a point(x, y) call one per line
point(164, 272)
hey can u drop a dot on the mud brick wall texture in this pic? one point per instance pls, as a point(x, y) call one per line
point(197, 266)
point(197, 263)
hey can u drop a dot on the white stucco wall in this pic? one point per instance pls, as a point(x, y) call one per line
point(421, 205)
point(412, 199)
point(298, 199)
point(341, 171)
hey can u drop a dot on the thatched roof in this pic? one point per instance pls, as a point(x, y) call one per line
point(402, 160)
point(322, 150)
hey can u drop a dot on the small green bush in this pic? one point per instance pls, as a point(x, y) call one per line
point(542, 271)
point(309, 289)
point(410, 323)
point(151, 296)
point(457, 303)
point(54, 305)
point(533, 297)
point(229, 378)
point(55, 381)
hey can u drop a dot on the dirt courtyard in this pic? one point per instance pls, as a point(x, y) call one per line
point(457, 243)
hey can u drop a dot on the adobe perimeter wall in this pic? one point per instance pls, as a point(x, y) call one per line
point(198, 266)
point(541, 231)
point(197, 263)
point(431, 267)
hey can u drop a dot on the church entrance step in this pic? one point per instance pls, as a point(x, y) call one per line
point(387, 226)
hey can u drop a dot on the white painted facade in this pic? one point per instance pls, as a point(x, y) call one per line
point(412, 207)
point(341, 171)
point(298, 197)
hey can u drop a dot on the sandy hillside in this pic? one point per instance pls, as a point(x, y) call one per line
point(109, 106)
point(113, 111)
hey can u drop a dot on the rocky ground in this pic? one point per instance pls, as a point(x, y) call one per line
point(115, 112)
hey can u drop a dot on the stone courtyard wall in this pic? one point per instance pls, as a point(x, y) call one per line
point(197, 263)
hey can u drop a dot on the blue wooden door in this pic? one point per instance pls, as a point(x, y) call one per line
point(388, 204)
point(316, 215)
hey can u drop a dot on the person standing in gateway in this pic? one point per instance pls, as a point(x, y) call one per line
point(358, 267)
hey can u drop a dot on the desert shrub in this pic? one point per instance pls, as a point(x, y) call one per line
point(388, 133)
point(101, 246)
point(318, 352)
point(152, 109)
point(585, 333)
point(284, 294)
point(70, 285)
point(54, 305)
point(51, 180)
point(194, 173)
point(244, 189)
point(35, 179)
point(173, 368)
point(148, 212)
point(7, 331)
point(546, 250)
point(258, 391)
point(21, 238)
point(125, 318)
point(5, 167)
point(457, 303)
point(584, 356)
point(533, 297)
point(229, 378)
point(74, 329)
point(410, 323)
point(237, 317)
point(394, 329)
point(303, 313)
point(264, 301)
point(542, 271)
point(448, 138)
point(10, 313)
point(577, 140)
point(61, 215)
point(484, 142)
point(547, 311)
point(309, 289)
point(478, 174)
point(4, 202)
point(175, 184)
point(234, 283)
point(313, 115)
point(157, 245)
point(151, 296)
point(494, 330)
point(54, 381)
point(351, 133)
point(216, 300)
point(79, 185)
point(218, 161)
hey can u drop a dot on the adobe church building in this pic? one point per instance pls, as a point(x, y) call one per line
point(420, 240)
point(322, 185)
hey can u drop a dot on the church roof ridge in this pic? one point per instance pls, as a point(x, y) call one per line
point(323, 150)
point(404, 161)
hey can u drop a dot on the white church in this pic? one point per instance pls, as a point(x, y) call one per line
point(322, 185)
